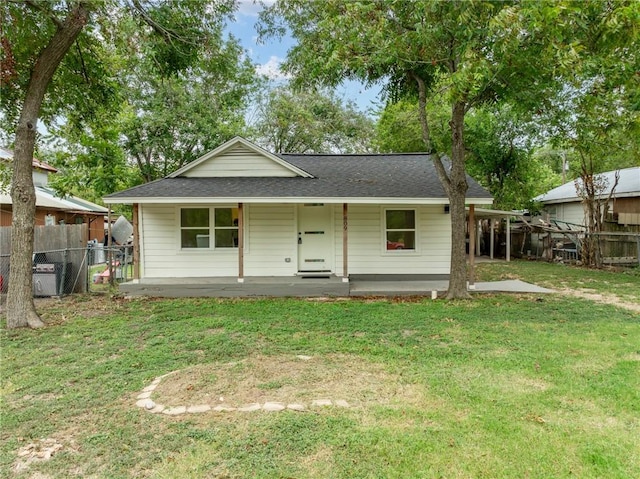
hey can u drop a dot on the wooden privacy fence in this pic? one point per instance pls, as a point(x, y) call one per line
point(62, 247)
point(619, 247)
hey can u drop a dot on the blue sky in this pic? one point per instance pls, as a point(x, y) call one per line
point(268, 56)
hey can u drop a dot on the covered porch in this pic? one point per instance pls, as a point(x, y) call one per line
point(322, 286)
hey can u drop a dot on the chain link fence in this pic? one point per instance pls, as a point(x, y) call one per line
point(100, 257)
point(73, 270)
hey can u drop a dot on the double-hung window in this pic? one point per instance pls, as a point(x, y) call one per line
point(208, 227)
point(226, 227)
point(194, 227)
point(400, 229)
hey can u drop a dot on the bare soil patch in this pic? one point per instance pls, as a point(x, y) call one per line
point(601, 298)
point(286, 379)
point(41, 451)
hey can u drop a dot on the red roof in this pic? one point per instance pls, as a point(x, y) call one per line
point(41, 165)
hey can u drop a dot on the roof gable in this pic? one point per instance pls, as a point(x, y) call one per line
point(239, 158)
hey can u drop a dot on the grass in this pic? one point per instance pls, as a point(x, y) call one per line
point(622, 283)
point(502, 386)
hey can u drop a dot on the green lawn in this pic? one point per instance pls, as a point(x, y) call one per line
point(622, 283)
point(533, 386)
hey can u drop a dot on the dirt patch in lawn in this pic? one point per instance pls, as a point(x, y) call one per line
point(41, 450)
point(601, 298)
point(285, 379)
point(56, 311)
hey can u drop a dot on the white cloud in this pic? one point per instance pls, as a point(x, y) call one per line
point(271, 69)
point(251, 8)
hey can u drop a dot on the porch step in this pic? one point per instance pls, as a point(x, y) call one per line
point(314, 274)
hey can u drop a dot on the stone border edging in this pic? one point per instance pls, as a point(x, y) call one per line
point(145, 402)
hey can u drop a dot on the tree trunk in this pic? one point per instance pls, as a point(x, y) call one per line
point(21, 310)
point(457, 192)
point(455, 184)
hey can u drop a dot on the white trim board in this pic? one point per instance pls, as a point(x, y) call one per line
point(295, 200)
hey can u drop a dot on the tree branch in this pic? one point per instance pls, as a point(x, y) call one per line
point(167, 34)
point(164, 32)
point(41, 8)
point(422, 111)
point(84, 67)
point(426, 134)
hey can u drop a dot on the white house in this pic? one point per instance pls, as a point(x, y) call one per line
point(240, 212)
point(564, 204)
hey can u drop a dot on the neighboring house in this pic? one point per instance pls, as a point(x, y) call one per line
point(240, 211)
point(50, 208)
point(564, 204)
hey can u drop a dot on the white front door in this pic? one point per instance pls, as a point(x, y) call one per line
point(314, 238)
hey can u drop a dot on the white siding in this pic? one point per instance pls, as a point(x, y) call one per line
point(366, 242)
point(572, 213)
point(239, 161)
point(569, 212)
point(162, 256)
point(271, 240)
point(40, 178)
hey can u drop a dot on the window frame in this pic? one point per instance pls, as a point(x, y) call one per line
point(182, 228)
point(385, 230)
point(212, 229)
point(215, 228)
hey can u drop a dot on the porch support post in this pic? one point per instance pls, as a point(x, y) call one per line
point(345, 243)
point(240, 243)
point(478, 236)
point(109, 251)
point(471, 224)
point(508, 246)
point(136, 242)
point(492, 240)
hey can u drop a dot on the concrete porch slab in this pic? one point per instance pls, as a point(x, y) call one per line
point(229, 287)
point(307, 287)
point(397, 288)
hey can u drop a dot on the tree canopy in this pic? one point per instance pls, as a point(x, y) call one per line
point(463, 51)
point(61, 61)
point(470, 53)
point(310, 121)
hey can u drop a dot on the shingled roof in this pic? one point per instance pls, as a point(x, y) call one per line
point(352, 178)
point(628, 186)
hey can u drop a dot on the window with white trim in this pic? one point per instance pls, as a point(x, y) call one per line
point(208, 227)
point(400, 229)
point(194, 228)
point(225, 226)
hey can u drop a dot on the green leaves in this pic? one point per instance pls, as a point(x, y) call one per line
point(156, 81)
point(309, 121)
point(174, 120)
